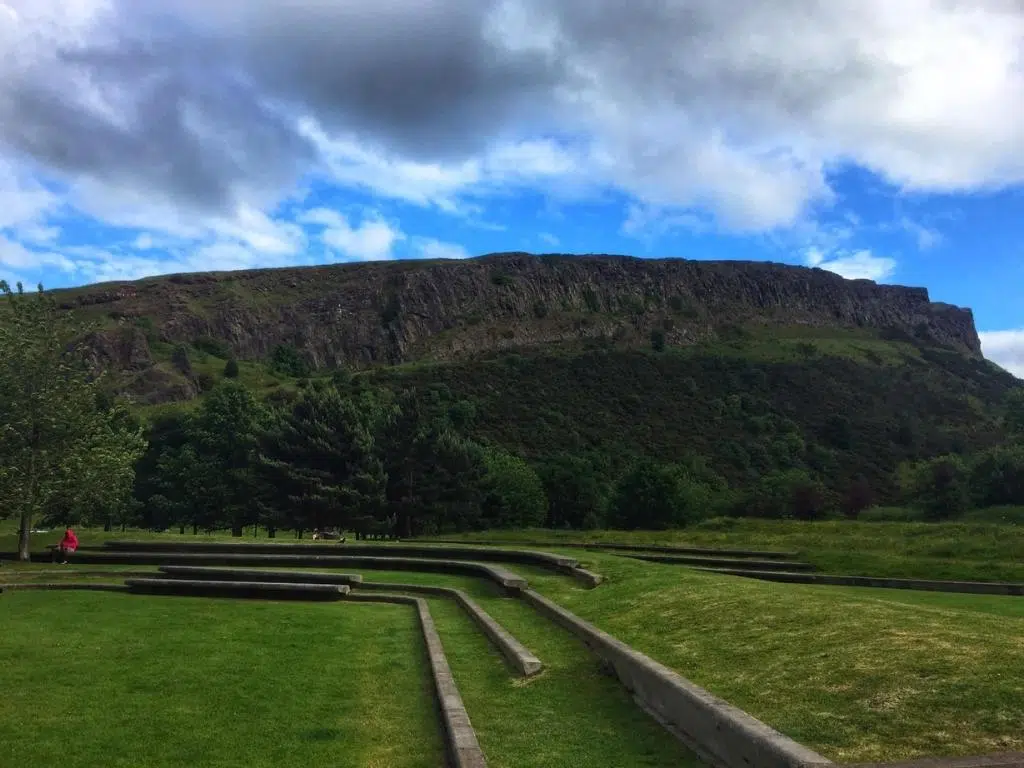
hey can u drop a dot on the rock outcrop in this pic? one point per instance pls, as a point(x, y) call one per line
point(391, 312)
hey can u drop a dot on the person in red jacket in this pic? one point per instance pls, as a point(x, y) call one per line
point(67, 545)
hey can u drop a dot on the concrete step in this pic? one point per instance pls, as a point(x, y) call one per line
point(253, 589)
point(244, 574)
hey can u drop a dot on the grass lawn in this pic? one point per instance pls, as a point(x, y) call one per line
point(964, 551)
point(857, 675)
point(98, 679)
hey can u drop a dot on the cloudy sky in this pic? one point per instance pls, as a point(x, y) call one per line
point(875, 138)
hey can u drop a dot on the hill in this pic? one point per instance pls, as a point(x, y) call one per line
point(757, 367)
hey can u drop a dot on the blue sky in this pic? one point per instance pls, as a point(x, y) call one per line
point(881, 140)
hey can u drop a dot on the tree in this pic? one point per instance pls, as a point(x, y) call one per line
point(658, 340)
point(939, 486)
point(514, 496)
point(656, 496)
point(318, 462)
point(231, 369)
point(181, 361)
point(223, 433)
point(997, 476)
point(57, 438)
point(577, 493)
point(1014, 413)
point(858, 497)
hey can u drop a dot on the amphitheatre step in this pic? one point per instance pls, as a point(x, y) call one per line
point(265, 589)
point(724, 562)
point(65, 585)
point(517, 654)
point(463, 748)
point(496, 573)
point(243, 574)
point(926, 585)
point(659, 548)
point(521, 556)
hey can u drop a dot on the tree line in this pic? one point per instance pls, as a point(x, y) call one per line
point(339, 452)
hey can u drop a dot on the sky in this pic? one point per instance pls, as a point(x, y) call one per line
point(879, 139)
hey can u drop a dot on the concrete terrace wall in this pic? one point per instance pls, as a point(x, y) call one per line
point(972, 587)
point(463, 748)
point(718, 732)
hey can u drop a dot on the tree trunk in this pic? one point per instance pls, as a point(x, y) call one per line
point(181, 529)
point(271, 532)
point(24, 534)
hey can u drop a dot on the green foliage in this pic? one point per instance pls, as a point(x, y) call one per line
point(658, 340)
point(212, 346)
point(940, 487)
point(501, 279)
point(1014, 412)
point(317, 464)
point(65, 450)
point(513, 493)
point(997, 476)
point(790, 493)
point(180, 360)
point(657, 496)
point(286, 360)
point(577, 492)
point(231, 368)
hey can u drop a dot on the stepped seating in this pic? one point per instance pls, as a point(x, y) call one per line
point(253, 589)
point(240, 574)
point(656, 548)
point(558, 563)
point(723, 562)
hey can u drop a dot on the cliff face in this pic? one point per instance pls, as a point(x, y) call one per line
point(361, 314)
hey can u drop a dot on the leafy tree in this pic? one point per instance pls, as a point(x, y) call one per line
point(57, 440)
point(231, 368)
point(577, 493)
point(858, 497)
point(318, 462)
point(997, 476)
point(656, 496)
point(513, 493)
point(658, 340)
point(288, 361)
point(1014, 412)
point(939, 487)
point(791, 493)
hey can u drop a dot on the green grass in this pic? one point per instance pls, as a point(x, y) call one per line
point(113, 680)
point(960, 551)
point(857, 675)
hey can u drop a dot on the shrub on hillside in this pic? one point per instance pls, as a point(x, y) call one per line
point(577, 493)
point(513, 493)
point(656, 496)
point(231, 369)
point(939, 487)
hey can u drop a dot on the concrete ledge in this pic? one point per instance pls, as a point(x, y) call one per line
point(521, 556)
point(724, 562)
point(738, 553)
point(1002, 760)
point(718, 732)
point(463, 748)
point(517, 654)
point(80, 587)
point(256, 589)
point(242, 574)
point(496, 573)
point(972, 587)
point(589, 578)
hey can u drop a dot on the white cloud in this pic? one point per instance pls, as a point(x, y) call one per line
point(428, 248)
point(372, 240)
point(856, 265)
point(925, 237)
point(1006, 348)
point(549, 239)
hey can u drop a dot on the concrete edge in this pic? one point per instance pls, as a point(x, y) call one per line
point(53, 586)
point(589, 579)
point(924, 585)
point(999, 760)
point(597, 545)
point(503, 554)
point(719, 562)
point(495, 572)
point(517, 654)
point(238, 588)
point(716, 731)
point(247, 574)
point(463, 748)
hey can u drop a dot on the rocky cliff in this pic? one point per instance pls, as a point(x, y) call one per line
point(391, 312)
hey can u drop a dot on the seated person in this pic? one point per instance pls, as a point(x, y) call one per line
point(67, 545)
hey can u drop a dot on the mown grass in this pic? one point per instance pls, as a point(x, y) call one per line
point(858, 675)
point(963, 551)
point(93, 679)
